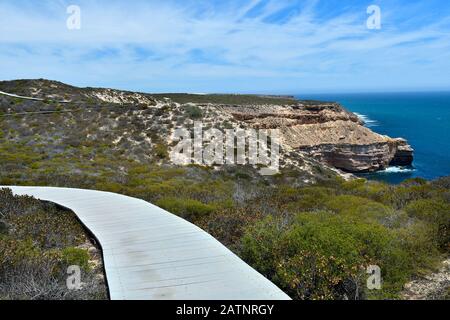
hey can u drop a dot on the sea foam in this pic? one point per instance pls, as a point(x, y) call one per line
point(398, 170)
point(367, 121)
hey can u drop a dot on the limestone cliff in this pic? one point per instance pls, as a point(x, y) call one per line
point(328, 133)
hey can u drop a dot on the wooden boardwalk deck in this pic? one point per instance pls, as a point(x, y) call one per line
point(151, 254)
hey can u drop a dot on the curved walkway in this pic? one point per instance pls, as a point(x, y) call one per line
point(151, 254)
point(28, 98)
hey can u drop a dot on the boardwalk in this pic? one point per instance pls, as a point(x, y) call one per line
point(28, 98)
point(152, 254)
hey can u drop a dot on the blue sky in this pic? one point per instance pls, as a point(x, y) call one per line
point(258, 46)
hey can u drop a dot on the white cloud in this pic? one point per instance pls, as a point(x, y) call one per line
point(255, 54)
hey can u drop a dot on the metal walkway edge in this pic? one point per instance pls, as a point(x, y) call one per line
point(151, 254)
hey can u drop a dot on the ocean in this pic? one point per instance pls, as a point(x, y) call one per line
point(421, 118)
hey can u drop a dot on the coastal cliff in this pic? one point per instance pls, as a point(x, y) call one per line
point(328, 133)
point(312, 133)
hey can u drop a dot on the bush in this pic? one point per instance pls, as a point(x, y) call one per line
point(76, 256)
point(160, 150)
point(400, 196)
point(229, 225)
point(436, 213)
point(186, 208)
point(323, 256)
point(193, 112)
point(37, 247)
point(442, 183)
point(361, 208)
point(305, 199)
point(307, 275)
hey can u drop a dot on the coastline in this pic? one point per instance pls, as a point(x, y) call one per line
point(423, 118)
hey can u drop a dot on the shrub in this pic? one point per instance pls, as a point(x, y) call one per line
point(260, 245)
point(160, 150)
point(322, 256)
point(419, 242)
point(15, 252)
point(414, 182)
point(436, 212)
point(442, 183)
point(37, 247)
point(362, 208)
point(310, 199)
point(308, 275)
point(353, 184)
point(401, 195)
point(193, 112)
point(76, 256)
point(229, 225)
point(187, 208)
point(109, 186)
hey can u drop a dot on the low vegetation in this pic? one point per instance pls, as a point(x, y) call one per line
point(38, 242)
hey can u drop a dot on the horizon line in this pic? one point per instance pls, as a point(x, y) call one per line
point(307, 92)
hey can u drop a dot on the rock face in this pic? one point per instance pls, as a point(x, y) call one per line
point(328, 133)
point(404, 155)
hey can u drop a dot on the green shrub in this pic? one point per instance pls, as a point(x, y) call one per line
point(193, 112)
point(76, 256)
point(14, 252)
point(37, 248)
point(361, 208)
point(353, 184)
point(187, 208)
point(436, 212)
point(310, 199)
point(418, 240)
point(109, 186)
point(160, 150)
point(260, 245)
point(400, 196)
point(310, 275)
point(322, 255)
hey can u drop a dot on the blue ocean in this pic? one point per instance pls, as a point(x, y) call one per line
point(421, 118)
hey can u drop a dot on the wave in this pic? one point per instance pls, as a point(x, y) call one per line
point(367, 121)
point(398, 170)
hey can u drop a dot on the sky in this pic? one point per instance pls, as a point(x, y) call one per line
point(240, 46)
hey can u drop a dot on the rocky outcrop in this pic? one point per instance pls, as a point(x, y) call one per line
point(404, 155)
point(434, 286)
point(272, 116)
point(328, 133)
